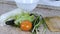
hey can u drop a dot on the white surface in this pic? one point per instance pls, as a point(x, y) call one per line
point(27, 1)
point(28, 5)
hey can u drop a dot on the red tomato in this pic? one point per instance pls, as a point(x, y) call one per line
point(26, 25)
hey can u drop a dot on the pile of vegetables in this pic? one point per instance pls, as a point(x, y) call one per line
point(26, 22)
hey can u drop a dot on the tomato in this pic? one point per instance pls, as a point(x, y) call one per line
point(26, 25)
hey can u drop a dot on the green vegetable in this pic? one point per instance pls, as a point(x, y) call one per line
point(23, 17)
point(35, 19)
point(36, 24)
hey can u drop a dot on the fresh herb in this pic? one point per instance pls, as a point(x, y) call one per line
point(36, 24)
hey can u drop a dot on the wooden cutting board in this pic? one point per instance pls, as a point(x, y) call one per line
point(53, 23)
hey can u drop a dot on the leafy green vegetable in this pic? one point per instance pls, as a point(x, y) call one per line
point(24, 17)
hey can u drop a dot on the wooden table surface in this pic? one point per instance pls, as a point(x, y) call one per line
point(6, 7)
